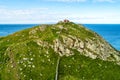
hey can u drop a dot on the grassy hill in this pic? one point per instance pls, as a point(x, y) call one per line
point(62, 51)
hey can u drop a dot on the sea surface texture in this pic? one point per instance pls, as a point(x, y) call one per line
point(110, 32)
point(6, 29)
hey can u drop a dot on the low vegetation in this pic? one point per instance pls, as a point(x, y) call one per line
point(50, 52)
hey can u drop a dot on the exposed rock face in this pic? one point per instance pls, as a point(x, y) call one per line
point(90, 48)
point(61, 48)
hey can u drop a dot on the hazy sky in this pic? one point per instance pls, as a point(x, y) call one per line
point(47, 11)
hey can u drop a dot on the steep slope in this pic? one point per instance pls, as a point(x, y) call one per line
point(57, 52)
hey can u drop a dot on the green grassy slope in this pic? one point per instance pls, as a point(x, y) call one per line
point(30, 61)
point(29, 55)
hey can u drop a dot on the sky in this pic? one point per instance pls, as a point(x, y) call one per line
point(51, 11)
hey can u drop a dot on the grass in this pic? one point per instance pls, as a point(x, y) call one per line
point(21, 58)
point(80, 67)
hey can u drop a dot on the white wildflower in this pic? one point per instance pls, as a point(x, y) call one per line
point(25, 59)
point(33, 66)
point(40, 74)
point(24, 65)
point(29, 65)
point(24, 75)
point(20, 69)
point(49, 60)
point(12, 66)
point(31, 59)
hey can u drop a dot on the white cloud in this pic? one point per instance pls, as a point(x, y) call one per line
point(68, 0)
point(111, 1)
point(41, 15)
point(22, 15)
point(45, 15)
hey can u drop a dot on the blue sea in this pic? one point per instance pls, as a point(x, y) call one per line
point(6, 29)
point(110, 32)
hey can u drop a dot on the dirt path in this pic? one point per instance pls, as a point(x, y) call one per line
point(57, 69)
point(14, 64)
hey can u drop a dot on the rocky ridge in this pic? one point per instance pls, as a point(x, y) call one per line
point(95, 47)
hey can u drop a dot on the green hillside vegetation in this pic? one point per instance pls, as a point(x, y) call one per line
point(30, 55)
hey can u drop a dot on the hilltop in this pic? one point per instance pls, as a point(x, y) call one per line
point(62, 51)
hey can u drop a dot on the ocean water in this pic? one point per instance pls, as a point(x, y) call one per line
point(6, 29)
point(110, 32)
